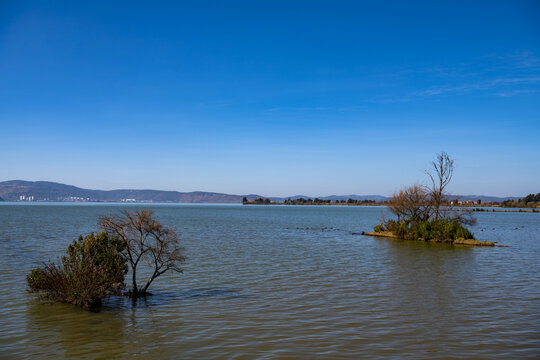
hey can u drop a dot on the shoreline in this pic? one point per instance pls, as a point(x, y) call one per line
point(469, 242)
point(470, 209)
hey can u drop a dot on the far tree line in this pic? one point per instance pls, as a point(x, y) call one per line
point(529, 201)
point(308, 201)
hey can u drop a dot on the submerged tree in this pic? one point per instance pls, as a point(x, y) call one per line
point(92, 268)
point(148, 241)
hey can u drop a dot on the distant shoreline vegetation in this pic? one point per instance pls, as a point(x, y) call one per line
point(471, 206)
point(529, 201)
point(309, 201)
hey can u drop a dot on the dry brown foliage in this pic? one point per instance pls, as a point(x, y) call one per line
point(148, 241)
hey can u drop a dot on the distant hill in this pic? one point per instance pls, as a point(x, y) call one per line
point(483, 198)
point(14, 190)
point(17, 190)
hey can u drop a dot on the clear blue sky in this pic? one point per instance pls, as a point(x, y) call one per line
point(271, 97)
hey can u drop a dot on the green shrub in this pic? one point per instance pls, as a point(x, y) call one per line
point(36, 279)
point(92, 268)
point(463, 232)
point(422, 230)
point(399, 229)
point(390, 225)
point(444, 229)
point(379, 228)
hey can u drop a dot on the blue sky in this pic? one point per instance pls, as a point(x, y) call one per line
point(271, 97)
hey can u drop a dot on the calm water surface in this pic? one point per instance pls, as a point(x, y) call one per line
point(283, 282)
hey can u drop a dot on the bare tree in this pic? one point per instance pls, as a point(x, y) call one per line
point(463, 218)
point(146, 240)
point(423, 212)
point(410, 204)
point(440, 174)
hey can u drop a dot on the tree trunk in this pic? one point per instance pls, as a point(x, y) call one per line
point(149, 282)
point(134, 288)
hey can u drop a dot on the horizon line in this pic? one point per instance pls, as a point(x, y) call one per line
point(250, 194)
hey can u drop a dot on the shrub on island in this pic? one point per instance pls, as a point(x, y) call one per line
point(424, 212)
point(441, 230)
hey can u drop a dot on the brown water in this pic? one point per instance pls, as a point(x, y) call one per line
point(283, 282)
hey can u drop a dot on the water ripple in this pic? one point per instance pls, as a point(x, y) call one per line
point(283, 282)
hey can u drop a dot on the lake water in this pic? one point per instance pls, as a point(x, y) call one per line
point(282, 282)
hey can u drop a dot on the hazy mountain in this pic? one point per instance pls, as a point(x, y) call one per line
point(51, 191)
point(14, 190)
point(484, 198)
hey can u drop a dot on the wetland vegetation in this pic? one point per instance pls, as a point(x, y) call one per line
point(422, 212)
point(95, 266)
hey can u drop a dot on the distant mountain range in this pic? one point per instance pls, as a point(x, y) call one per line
point(19, 190)
point(484, 198)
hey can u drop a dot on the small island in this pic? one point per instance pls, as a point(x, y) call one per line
point(422, 213)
